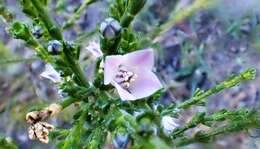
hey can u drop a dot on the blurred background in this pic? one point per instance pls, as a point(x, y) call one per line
point(204, 48)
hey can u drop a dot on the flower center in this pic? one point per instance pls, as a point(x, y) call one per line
point(125, 77)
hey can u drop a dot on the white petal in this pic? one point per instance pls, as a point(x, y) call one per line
point(51, 73)
point(111, 67)
point(124, 94)
point(145, 84)
point(94, 48)
point(141, 59)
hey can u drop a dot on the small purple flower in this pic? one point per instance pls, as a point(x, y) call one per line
point(169, 124)
point(51, 74)
point(131, 74)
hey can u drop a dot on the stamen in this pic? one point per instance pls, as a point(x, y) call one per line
point(126, 85)
point(125, 77)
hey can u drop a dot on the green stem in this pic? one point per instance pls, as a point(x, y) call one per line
point(126, 19)
point(238, 120)
point(220, 130)
point(134, 7)
point(61, 133)
point(16, 60)
point(56, 34)
point(249, 74)
point(74, 135)
point(67, 102)
point(200, 118)
point(50, 25)
point(75, 67)
point(77, 97)
point(41, 52)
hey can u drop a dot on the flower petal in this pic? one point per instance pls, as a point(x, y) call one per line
point(51, 73)
point(94, 48)
point(141, 59)
point(169, 124)
point(124, 94)
point(111, 67)
point(145, 84)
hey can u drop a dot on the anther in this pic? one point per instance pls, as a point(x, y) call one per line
point(125, 77)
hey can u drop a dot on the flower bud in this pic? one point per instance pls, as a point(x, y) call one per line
point(110, 28)
point(74, 48)
point(249, 74)
point(37, 32)
point(20, 31)
point(54, 47)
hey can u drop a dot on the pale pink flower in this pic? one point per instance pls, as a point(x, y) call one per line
point(94, 48)
point(51, 74)
point(131, 74)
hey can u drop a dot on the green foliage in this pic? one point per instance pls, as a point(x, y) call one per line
point(238, 120)
point(7, 143)
point(124, 11)
point(200, 95)
point(101, 116)
point(134, 6)
point(28, 8)
point(129, 41)
point(118, 8)
point(72, 140)
point(20, 31)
